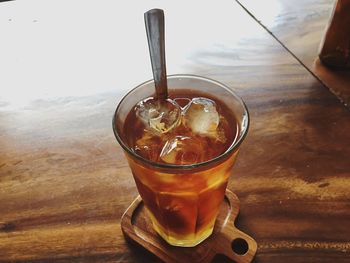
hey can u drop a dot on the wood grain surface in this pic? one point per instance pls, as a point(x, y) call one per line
point(64, 182)
point(300, 26)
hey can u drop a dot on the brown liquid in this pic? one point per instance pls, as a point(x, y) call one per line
point(201, 148)
point(183, 204)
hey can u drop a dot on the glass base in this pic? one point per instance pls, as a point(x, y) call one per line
point(191, 240)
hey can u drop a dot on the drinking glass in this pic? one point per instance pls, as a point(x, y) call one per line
point(183, 201)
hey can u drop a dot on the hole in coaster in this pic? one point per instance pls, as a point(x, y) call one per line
point(240, 246)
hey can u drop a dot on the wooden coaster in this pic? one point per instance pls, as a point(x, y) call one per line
point(226, 238)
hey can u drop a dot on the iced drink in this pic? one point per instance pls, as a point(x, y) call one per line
point(181, 152)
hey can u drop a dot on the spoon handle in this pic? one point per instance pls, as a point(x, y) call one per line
point(154, 21)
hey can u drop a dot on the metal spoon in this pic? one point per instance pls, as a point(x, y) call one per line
point(154, 21)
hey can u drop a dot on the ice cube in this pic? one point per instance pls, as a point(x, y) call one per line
point(159, 116)
point(202, 117)
point(148, 146)
point(183, 150)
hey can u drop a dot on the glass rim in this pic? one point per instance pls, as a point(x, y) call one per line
point(235, 144)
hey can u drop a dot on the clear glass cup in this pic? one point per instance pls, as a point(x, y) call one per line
point(183, 201)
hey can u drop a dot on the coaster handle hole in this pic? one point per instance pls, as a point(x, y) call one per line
point(240, 246)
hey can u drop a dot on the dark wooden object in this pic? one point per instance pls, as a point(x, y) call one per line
point(64, 181)
point(226, 239)
point(335, 45)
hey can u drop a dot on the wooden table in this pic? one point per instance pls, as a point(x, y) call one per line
point(299, 26)
point(64, 181)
